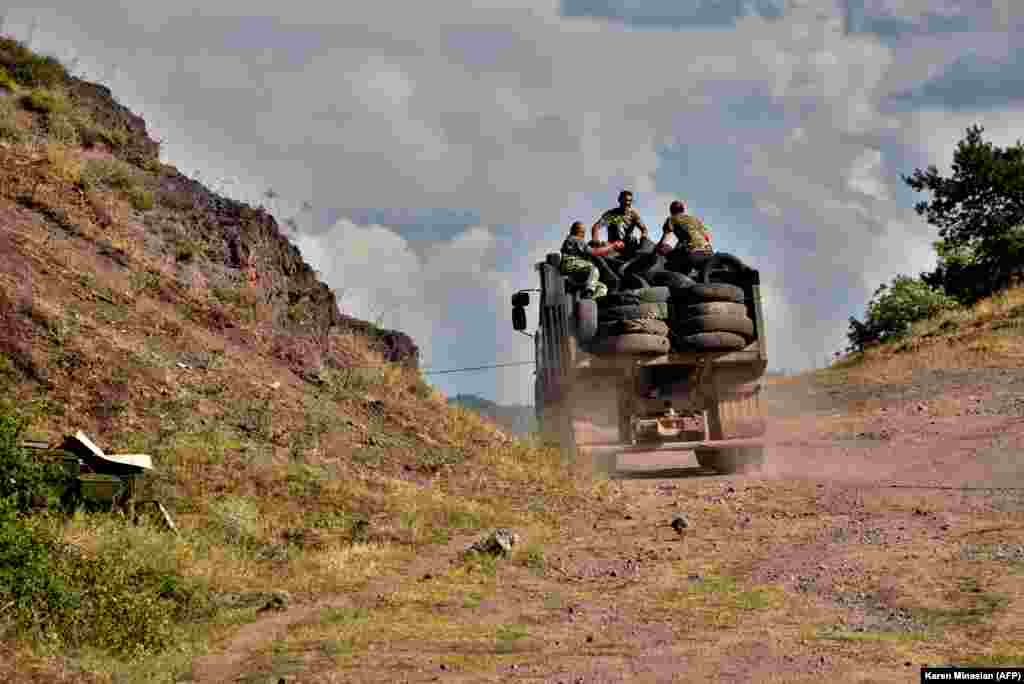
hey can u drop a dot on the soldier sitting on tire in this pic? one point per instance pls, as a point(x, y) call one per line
point(694, 240)
point(580, 261)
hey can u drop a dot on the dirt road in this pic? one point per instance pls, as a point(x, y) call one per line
point(885, 533)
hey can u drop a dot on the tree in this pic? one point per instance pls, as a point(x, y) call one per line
point(979, 212)
point(893, 308)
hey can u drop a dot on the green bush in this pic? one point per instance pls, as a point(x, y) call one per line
point(46, 102)
point(112, 173)
point(109, 601)
point(39, 71)
point(24, 479)
point(93, 134)
point(893, 308)
point(6, 81)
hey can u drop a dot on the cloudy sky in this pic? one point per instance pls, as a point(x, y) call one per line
point(444, 147)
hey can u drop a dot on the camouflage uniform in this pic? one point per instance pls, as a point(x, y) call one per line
point(576, 261)
point(619, 225)
point(694, 246)
point(691, 232)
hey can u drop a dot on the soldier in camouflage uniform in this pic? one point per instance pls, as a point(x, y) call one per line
point(620, 222)
point(694, 246)
point(578, 260)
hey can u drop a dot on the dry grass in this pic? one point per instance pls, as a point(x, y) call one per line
point(65, 162)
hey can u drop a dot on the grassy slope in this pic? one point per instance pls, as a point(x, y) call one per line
point(276, 483)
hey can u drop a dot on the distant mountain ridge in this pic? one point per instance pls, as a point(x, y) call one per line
point(517, 418)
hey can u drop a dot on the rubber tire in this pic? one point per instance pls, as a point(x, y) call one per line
point(625, 297)
point(712, 341)
point(716, 323)
point(714, 309)
point(673, 280)
point(730, 460)
point(586, 320)
point(634, 343)
point(720, 258)
point(631, 281)
point(649, 326)
point(657, 310)
point(714, 292)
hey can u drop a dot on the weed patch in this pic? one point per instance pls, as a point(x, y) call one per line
point(46, 101)
point(835, 633)
point(113, 599)
point(533, 558)
point(718, 600)
point(434, 459)
point(971, 606)
point(29, 69)
point(110, 173)
point(507, 636)
point(10, 131)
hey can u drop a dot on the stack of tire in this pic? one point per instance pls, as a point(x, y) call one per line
point(632, 322)
point(710, 317)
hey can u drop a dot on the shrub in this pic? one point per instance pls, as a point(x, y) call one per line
point(23, 478)
point(111, 600)
point(93, 134)
point(61, 128)
point(9, 128)
point(38, 70)
point(141, 198)
point(111, 173)
point(46, 102)
point(893, 308)
point(6, 82)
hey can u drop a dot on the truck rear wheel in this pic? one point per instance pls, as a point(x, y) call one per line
point(731, 459)
point(738, 414)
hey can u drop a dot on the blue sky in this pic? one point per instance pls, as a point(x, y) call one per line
point(445, 147)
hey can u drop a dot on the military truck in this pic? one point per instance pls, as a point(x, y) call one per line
point(696, 386)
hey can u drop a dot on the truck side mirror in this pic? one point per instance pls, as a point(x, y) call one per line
point(519, 318)
point(521, 299)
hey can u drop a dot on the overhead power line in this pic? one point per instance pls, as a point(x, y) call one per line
point(476, 368)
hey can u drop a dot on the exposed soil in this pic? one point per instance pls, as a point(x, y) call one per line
point(887, 528)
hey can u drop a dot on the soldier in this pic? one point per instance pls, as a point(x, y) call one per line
point(620, 222)
point(694, 240)
point(579, 258)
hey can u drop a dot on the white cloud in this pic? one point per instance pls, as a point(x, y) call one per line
point(936, 133)
point(531, 121)
point(865, 175)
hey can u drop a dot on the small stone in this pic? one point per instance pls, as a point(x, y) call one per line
point(590, 638)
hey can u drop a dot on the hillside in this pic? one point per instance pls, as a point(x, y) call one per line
point(517, 419)
point(298, 449)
